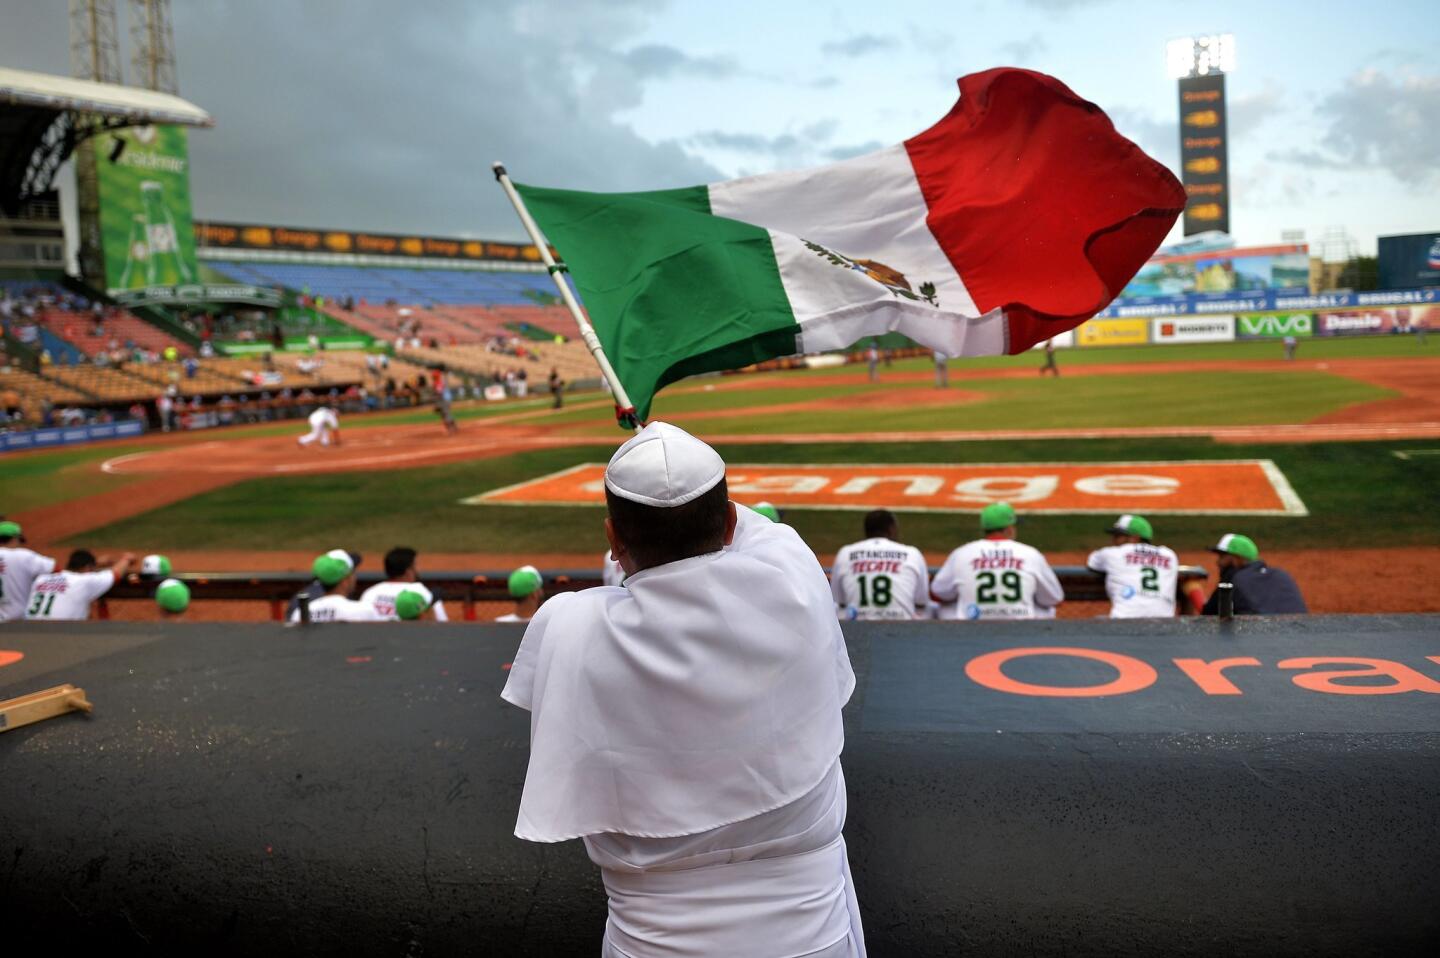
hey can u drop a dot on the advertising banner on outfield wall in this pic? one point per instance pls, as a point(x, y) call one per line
point(1363, 322)
point(1411, 260)
point(216, 235)
point(1274, 325)
point(1193, 329)
point(1113, 332)
point(143, 178)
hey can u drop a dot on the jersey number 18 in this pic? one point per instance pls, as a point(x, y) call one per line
point(878, 593)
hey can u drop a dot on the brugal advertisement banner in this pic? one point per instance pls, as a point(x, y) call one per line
point(142, 175)
point(1204, 154)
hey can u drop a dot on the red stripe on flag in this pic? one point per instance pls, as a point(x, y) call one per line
point(1041, 206)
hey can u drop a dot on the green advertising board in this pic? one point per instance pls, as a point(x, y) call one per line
point(1274, 325)
point(147, 236)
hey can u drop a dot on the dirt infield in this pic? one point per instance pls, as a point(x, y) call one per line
point(184, 466)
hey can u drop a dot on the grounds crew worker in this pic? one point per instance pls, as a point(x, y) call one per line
point(1257, 588)
point(1139, 576)
point(996, 577)
point(19, 568)
point(687, 726)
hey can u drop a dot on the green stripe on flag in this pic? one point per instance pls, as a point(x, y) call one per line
point(671, 289)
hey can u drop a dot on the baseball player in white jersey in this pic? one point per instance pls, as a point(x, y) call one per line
point(996, 577)
point(338, 577)
point(324, 427)
point(610, 571)
point(400, 576)
point(880, 578)
point(527, 588)
point(19, 568)
point(66, 596)
point(1139, 576)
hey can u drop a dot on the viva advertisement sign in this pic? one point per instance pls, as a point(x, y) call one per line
point(1274, 325)
point(145, 225)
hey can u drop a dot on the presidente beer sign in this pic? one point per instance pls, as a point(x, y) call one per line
point(1254, 487)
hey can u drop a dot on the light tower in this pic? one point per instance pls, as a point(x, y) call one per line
point(153, 58)
point(1200, 64)
point(94, 41)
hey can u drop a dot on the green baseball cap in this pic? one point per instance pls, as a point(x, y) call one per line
point(1237, 545)
point(997, 515)
point(767, 510)
point(524, 581)
point(155, 565)
point(330, 570)
point(172, 595)
point(9, 530)
point(1128, 525)
point(410, 605)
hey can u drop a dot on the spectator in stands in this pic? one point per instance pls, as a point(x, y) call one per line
point(138, 412)
point(1256, 588)
point(66, 596)
point(10, 402)
point(527, 588)
point(207, 350)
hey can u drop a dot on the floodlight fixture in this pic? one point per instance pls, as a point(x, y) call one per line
point(1200, 56)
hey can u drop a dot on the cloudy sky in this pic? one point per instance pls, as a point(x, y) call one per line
point(371, 114)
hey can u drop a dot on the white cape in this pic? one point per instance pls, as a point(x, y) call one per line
point(703, 692)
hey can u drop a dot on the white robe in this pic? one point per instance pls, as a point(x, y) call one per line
point(688, 727)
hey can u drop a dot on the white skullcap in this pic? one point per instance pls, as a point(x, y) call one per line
point(663, 466)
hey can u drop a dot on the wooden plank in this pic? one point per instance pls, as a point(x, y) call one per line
point(38, 706)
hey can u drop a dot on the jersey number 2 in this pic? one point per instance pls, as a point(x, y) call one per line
point(1150, 579)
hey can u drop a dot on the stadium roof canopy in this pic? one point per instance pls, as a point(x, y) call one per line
point(43, 117)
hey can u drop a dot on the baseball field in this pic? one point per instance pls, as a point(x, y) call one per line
point(1331, 462)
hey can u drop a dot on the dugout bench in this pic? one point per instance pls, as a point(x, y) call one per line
point(468, 589)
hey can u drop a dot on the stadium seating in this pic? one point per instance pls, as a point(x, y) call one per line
point(105, 383)
point(425, 287)
point(119, 326)
point(34, 390)
point(210, 377)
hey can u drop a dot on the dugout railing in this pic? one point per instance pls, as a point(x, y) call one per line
point(469, 589)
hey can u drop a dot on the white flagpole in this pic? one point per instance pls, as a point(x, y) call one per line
point(624, 410)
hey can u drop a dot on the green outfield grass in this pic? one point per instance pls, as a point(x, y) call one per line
point(1359, 494)
point(43, 479)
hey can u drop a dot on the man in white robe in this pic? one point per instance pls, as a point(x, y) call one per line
point(687, 725)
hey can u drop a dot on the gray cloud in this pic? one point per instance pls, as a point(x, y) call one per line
point(1378, 122)
point(786, 145)
point(858, 45)
point(1024, 51)
point(1159, 138)
point(355, 115)
point(846, 152)
point(656, 60)
point(1249, 112)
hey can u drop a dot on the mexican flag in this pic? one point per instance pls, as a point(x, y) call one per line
point(1018, 216)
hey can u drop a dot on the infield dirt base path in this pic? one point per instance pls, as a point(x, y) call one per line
point(185, 466)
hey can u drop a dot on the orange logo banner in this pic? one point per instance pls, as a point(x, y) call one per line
point(1222, 487)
